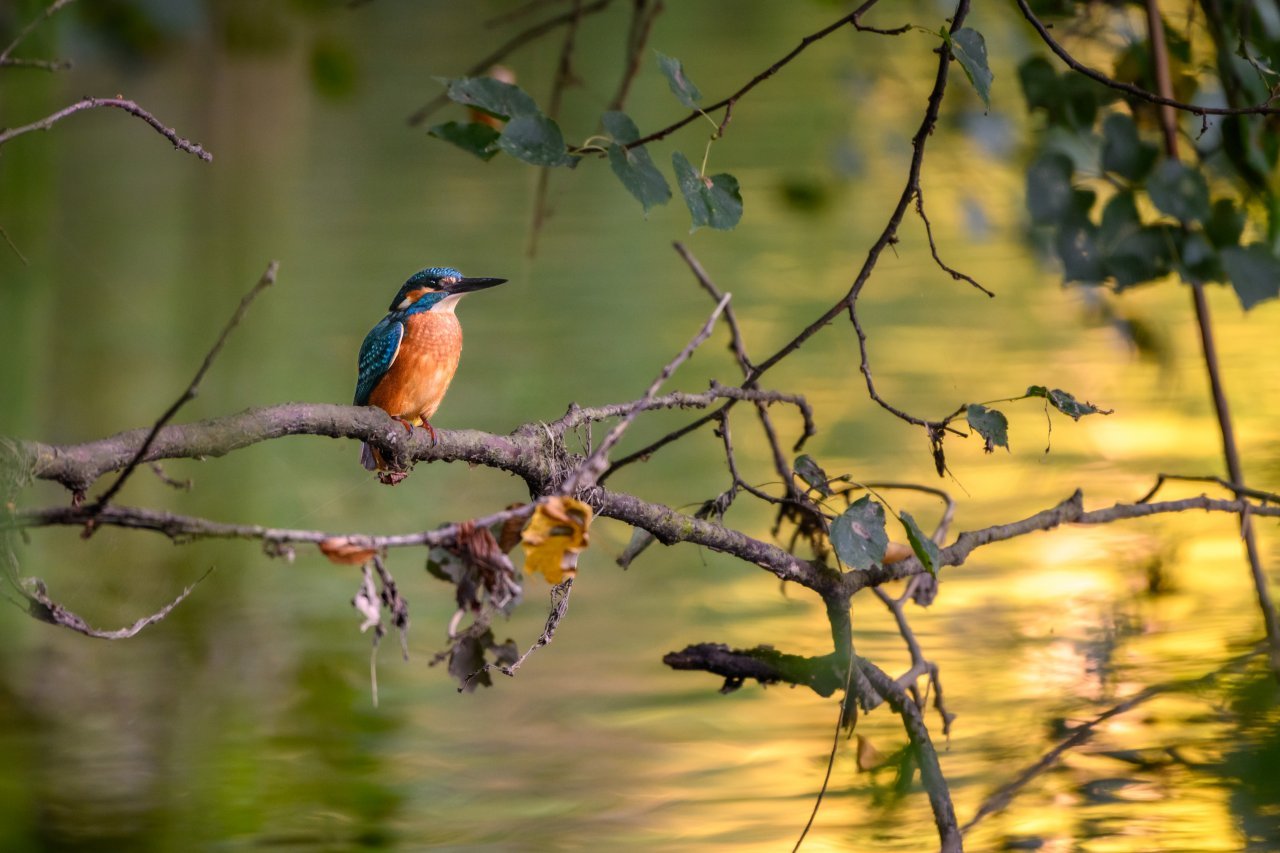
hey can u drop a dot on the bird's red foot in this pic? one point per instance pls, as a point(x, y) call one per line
point(408, 427)
point(429, 428)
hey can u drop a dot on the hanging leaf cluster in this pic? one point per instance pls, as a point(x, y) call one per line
point(507, 120)
point(1117, 212)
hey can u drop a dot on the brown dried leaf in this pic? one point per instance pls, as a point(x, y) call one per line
point(345, 551)
point(896, 552)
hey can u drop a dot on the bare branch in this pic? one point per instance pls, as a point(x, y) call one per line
point(589, 471)
point(1239, 491)
point(933, 248)
point(642, 17)
point(185, 528)
point(44, 608)
point(118, 103)
point(563, 76)
point(14, 246)
point(559, 607)
point(852, 19)
point(887, 237)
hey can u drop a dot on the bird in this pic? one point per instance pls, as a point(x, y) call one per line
point(408, 359)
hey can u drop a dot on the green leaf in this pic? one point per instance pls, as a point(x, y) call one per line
point(681, 85)
point(475, 138)
point(970, 50)
point(925, 548)
point(1049, 188)
point(1225, 224)
point(992, 425)
point(1131, 252)
point(1254, 273)
point(1197, 261)
point(494, 97)
point(634, 167)
point(1077, 246)
point(713, 201)
point(535, 139)
point(1179, 191)
point(1039, 83)
point(812, 474)
point(1065, 402)
point(1123, 152)
point(858, 535)
point(1079, 106)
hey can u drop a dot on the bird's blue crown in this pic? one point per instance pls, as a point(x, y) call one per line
point(428, 278)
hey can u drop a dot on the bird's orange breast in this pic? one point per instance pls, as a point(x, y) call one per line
point(418, 379)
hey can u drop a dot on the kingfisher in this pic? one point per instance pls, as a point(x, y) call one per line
point(408, 359)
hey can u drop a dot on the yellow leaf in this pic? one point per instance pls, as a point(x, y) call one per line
point(554, 537)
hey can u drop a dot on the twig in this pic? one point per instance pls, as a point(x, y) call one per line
point(831, 756)
point(185, 528)
point(180, 485)
point(559, 607)
point(1239, 491)
point(587, 473)
point(118, 103)
point(852, 19)
point(563, 75)
point(14, 246)
point(1204, 325)
point(42, 64)
point(42, 607)
point(642, 17)
point(577, 415)
point(48, 13)
point(518, 13)
point(517, 41)
point(268, 278)
point(933, 248)
point(887, 237)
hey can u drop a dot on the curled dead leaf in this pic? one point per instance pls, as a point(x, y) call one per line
point(896, 552)
point(554, 537)
point(346, 552)
point(509, 535)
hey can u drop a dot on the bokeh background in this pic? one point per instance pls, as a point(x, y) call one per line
point(244, 719)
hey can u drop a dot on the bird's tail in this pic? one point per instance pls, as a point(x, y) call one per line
point(369, 458)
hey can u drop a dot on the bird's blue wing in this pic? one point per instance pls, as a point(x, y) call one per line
point(377, 354)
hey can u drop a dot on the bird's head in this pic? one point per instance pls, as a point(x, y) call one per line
point(438, 289)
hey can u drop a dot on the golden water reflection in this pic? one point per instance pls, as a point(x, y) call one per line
point(245, 719)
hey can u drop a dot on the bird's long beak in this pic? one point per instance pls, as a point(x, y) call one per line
point(466, 285)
